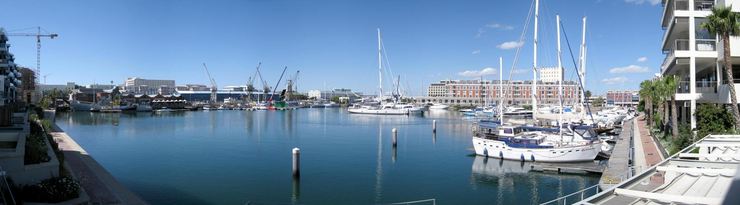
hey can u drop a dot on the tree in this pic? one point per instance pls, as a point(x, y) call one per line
point(671, 84)
point(647, 92)
point(587, 94)
point(598, 102)
point(723, 22)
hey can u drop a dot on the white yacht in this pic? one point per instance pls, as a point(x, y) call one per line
point(514, 143)
point(386, 109)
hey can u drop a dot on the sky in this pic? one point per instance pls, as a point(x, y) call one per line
point(333, 42)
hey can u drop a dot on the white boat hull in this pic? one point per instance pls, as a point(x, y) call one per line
point(438, 107)
point(384, 111)
point(499, 149)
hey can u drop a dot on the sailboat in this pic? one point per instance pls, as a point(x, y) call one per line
point(498, 140)
point(385, 108)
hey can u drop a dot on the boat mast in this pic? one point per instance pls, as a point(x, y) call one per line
point(501, 89)
point(583, 68)
point(380, 70)
point(534, 61)
point(560, 82)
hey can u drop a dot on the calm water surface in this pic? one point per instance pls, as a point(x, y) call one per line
point(236, 157)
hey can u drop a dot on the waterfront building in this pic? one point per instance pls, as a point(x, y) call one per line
point(202, 93)
point(338, 92)
point(10, 77)
point(552, 74)
point(480, 92)
point(138, 85)
point(693, 55)
point(622, 97)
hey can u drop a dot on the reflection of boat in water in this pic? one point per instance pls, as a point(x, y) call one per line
point(438, 107)
point(498, 167)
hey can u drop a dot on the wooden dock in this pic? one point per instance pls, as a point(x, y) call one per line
point(619, 166)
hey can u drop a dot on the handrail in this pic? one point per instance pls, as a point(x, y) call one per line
point(565, 198)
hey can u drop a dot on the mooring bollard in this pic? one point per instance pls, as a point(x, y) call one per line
point(434, 126)
point(296, 162)
point(395, 137)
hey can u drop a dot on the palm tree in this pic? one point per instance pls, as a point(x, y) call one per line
point(671, 83)
point(646, 94)
point(723, 22)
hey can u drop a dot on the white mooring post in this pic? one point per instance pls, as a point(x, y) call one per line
point(434, 126)
point(395, 137)
point(296, 162)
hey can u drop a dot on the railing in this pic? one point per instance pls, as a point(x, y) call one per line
point(681, 5)
point(433, 201)
point(5, 191)
point(706, 45)
point(580, 194)
point(703, 5)
point(667, 61)
point(701, 86)
point(681, 45)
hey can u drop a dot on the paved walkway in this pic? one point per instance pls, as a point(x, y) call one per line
point(650, 151)
point(100, 186)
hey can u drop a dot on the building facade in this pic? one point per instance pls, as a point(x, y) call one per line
point(10, 76)
point(622, 97)
point(137, 85)
point(551, 75)
point(692, 55)
point(339, 92)
point(477, 92)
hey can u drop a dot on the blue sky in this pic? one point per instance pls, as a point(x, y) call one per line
point(332, 42)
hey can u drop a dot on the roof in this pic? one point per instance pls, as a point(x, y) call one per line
point(700, 174)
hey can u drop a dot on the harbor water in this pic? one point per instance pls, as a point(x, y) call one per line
point(240, 157)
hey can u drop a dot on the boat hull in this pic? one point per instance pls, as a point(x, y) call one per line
point(383, 111)
point(499, 149)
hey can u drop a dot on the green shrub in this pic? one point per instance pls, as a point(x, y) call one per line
point(36, 151)
point(53, 190)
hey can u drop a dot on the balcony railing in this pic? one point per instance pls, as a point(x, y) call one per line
point(703, 5)
point(681, 5)
point(702, 86)
point(706, 45)
point(681, 45)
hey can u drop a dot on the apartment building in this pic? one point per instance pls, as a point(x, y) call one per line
point(692, 54)
point(479, 92)
point(622, 97)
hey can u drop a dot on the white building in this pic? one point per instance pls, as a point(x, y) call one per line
point(550, 74)
point(147, 86)
point(692, 55)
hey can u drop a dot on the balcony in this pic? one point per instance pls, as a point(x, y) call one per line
point(703, 5)
point(671, 7)
point(706, 45)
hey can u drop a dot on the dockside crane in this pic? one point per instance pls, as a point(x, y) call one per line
point(250, 82)
point(265, 87)
point(276, 85)
point(292, 86)
point(214, 88)
point(38, 36)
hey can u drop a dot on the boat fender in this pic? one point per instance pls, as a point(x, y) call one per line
point(532, 157)
point(522, 157)
point(501, 154)
point(485, 152)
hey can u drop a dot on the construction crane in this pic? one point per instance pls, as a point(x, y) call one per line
point(265, 87)
point(292, 86)
point(38, 36)
point(276, 85)
point(214, 88)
